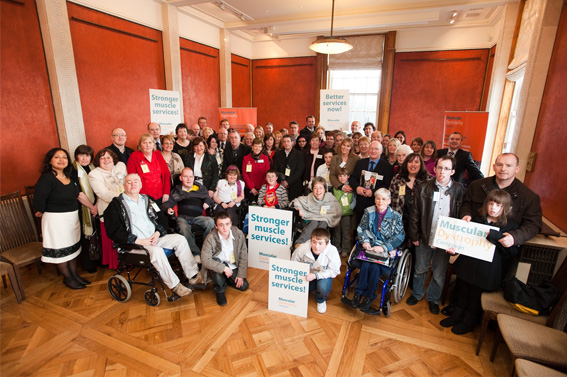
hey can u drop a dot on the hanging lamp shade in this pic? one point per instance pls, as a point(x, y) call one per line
point(331, 45)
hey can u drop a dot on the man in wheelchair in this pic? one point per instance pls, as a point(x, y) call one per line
point(131, 218)
point(380, 233)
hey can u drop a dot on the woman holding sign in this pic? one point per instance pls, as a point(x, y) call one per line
point(319, 209)
point(475, 276)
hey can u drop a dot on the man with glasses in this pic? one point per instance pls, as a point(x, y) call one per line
point(437, 197)
point(118, 145)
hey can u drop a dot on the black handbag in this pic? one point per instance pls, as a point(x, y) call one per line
point(95, 242)
point(540, 299)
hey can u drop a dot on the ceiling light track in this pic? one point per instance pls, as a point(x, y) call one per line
point(232, 9)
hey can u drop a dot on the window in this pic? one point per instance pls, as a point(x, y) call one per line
point(512, 129)
point(364, 87)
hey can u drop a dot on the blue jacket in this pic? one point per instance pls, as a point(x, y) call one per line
point(391, 230)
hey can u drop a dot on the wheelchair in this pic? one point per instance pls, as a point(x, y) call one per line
point(133, 263)
point(396, 284)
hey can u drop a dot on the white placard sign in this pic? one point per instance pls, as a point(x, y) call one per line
point(165, 109)
point(467, 238)
point(269, 235)
point(288, 291)
point(334, 109)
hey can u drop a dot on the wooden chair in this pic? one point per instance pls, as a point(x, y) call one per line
point(493, 303)
point(30, 191)
point(525, 368)
point(7, 269)
point(534, 342)
point(19, 244)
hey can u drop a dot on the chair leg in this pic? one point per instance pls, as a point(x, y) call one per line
point(19, 280)
point(497, 340)
point(484, 326)
point(38, 263)
point(15, 285)
point(4, 281)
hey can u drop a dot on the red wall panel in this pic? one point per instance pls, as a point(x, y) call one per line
point(426, 84)
point(241, 96)
point(117, 63)
point(201, 82)
point(284, 90)
point(26, 110)
point(549, 175)
point(487, 82)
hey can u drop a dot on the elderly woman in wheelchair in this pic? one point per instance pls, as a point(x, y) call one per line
point(380, 233)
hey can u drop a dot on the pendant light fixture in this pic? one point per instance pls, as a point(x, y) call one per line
point(331, 45)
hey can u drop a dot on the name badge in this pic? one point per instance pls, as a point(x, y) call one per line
point(145, 168)
point(287, 172)
point(120, 189)
point(380, 177)
point(233, 195)
point(319, 156)
point(261, 161)
point(326, 177)
point(80, 173)
point(232, 259)
point(344, 200)
point(248, 168)
point(436, 196)
point(402, 190)
point(324, 209)
point(155, 207)
point(343, 164)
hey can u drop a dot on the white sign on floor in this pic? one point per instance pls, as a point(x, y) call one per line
point(289, 290)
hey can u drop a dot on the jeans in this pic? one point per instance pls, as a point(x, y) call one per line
point(184, 225)
point(439, 259)
point(368, 278)
point(342, 235)
point(220, 281)
point(322, 288)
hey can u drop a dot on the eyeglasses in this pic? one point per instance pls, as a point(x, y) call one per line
point(119, 135)
point(438, 168)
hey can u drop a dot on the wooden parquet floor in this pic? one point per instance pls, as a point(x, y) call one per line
point(60, 332)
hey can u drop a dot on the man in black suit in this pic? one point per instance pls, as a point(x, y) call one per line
point(309, 127)
point(464, 159)
point(369, 175)
point(290, 163)
point(234, 152)
point(118, 145)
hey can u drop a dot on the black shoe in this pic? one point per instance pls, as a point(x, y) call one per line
point(448, 310)
point(411, 301)
point(82, 281)
point(73, 284)
point(462, 328)
point(433, 308)
point(221, 299)
point(356, 300)
point(449, 322)
point(365, 304)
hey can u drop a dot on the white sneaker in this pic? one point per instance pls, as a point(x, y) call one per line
point(322, 307)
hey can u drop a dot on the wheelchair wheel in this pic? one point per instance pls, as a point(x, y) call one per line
point(119, 288)
point(152, 297)
point(402, 276)
point(387, 309)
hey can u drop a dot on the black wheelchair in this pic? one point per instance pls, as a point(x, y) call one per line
point(395, 284)
point(133, 259)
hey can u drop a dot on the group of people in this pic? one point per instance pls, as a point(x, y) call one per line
point(389, 194)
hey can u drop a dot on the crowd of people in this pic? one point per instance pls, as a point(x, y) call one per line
point(361, 188)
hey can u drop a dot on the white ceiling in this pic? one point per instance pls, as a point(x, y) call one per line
point(277, 19)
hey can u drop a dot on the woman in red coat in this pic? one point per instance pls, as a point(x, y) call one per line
point(254, 169)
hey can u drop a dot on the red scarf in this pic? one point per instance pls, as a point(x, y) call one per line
point(271, 197)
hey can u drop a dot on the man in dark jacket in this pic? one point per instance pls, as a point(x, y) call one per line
point(436, 197)
point(118, 145)
point(309, 127)
point(368, 176)
point(234, 152)
point(131, 219)
point(191, 198)
point(289, 163)
point(464, 160)
point(526, 208)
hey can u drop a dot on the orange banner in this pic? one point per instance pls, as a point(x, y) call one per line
point(472, 124)
point(239, 117)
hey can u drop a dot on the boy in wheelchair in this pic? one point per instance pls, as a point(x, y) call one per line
point(380, 233)
point(131, 218)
